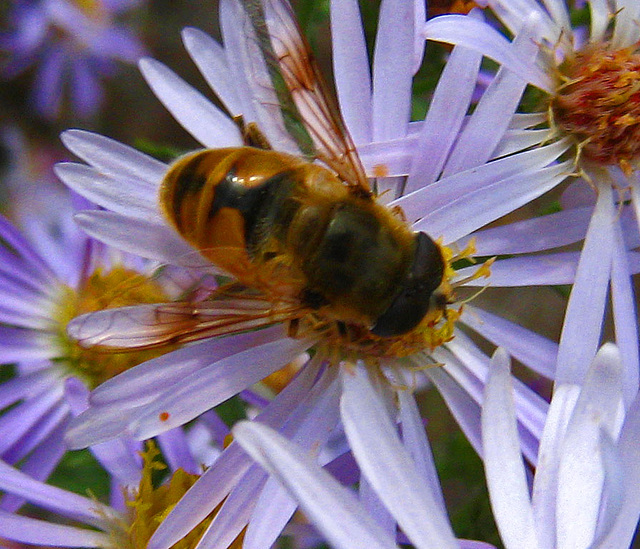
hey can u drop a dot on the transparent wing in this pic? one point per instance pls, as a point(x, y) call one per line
point(226, 311)
point(308, 111)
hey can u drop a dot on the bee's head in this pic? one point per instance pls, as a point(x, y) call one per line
point(417, 293)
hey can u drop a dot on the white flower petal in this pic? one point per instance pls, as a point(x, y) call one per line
point(393, 70)
point(581, 472)
point(445, 116)
point(482, 37)
point(629, 451)
point(493, 113)
point(211, 60)
point(115, 159)
point(506, 477)
point(208, 124)
point(533, 350)
point(140, 237)
point(580, 336)
point(385, 462)
point(43, 533)
point(332, 508)
point(625, 316)
point(125, 196)
point(414, 437)
point(626, 31)
point(351, 69)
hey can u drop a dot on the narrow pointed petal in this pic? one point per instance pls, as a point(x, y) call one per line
point(351, 69)
point(190, 108)
point(598, 407)
point(506, 477)
point(331, 507)
point(43, 533)
point(580, 336)
point(115, 159)
point(481, 37)
point(386, 464)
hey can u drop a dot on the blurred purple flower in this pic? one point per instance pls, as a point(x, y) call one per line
point(72, 45)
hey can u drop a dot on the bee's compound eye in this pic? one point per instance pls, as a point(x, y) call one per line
point(412, 303)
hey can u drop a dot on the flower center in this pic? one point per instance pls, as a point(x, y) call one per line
point(151, 503)
point(103, 290)
point(598, 102)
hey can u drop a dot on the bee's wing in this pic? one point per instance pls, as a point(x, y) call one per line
point(308, 111)
point(153, 325)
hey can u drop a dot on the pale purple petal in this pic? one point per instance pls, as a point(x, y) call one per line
point(49, 82)
point(444, 119)
point(210, 58)
point(465, 411)
point(143, 238)
point(15, 423)
point(40, 532)
point(481, 37)
point(208, 124)
point(414, 437)
point(629, 450)
point(539, 270)
point(115, 159)
point(493, 113)
point(125, 196)
point(86, 92)
point(175, 450)
point(625, 316)
point(532, 235)
point(533, 350)
point(581, 473)
point(506, 477)
point(393, 70)
point(213, 385)
point(385, 462)
point(213, 486)
point(546, 478)
point(141, 384)
point(580, 336)
point(475, 209)
point(351, 69)
point(332, 508)
point(54, 499)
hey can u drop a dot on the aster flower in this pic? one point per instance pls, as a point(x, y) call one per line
point(127, 522)
point(39, 295)
point(459, 172)
point(584, 488)
point(589, 85)
point(71, 44)
point(586, 484)
point(399, 484)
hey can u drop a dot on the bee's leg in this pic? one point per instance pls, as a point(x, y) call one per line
point(251, 134)
point(398, 212)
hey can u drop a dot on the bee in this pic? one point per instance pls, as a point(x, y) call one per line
point(302, 235)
